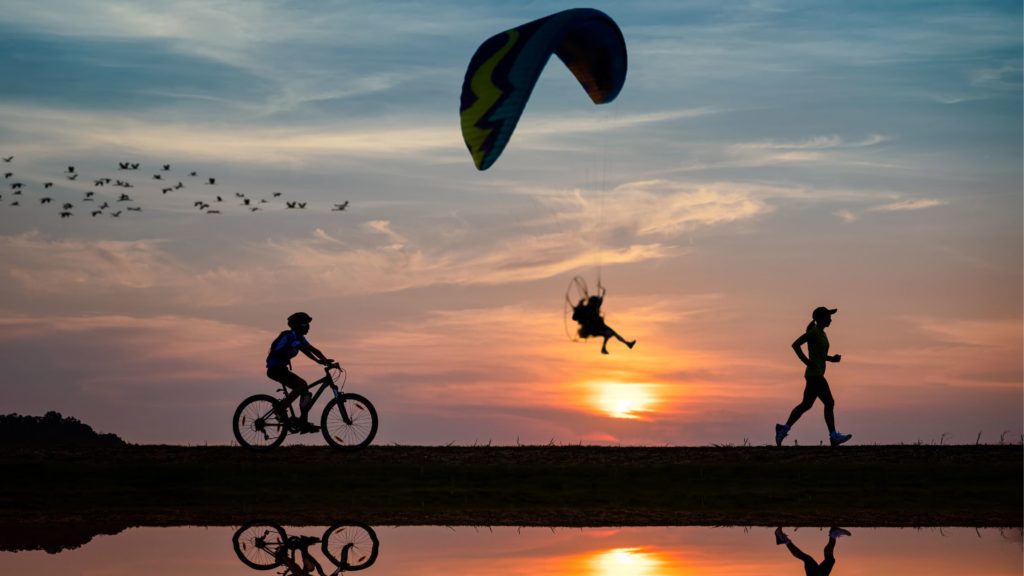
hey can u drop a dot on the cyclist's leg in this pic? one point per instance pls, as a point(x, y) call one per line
point(294, 385)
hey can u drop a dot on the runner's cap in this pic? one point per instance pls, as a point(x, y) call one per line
point(823, 312)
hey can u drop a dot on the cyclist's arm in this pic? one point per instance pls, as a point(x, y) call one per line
point(314, 354)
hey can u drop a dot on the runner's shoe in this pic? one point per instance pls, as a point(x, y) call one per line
point(837, 438)
point(781, 431)
point(837, 532)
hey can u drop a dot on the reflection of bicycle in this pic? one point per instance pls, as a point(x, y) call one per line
point(349, 421)
point(349, 546)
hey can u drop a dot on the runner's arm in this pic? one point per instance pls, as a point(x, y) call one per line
point(798, 348)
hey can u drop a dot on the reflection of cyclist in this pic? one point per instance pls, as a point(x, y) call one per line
point(298, 545)
point(286, 346)
point(811, 567)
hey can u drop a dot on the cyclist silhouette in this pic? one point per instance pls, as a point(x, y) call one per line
point(587, 313)
point(816, 386)
point(286, 346)
point(811, 566)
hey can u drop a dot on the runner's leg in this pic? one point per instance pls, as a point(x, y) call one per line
point(825, 393)
point(810, 393)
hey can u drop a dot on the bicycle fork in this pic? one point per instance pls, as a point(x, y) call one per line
point(341, 406)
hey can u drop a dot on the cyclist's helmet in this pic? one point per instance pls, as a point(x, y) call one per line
point(299, 318)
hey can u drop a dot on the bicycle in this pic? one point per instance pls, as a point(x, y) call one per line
point(348, 422)
point(350, 546)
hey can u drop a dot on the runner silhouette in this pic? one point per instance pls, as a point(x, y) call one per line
point(816, 386)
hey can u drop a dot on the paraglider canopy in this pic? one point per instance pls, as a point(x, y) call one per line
point(503, 71)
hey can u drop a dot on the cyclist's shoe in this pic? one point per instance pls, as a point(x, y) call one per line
point(780, 536)
point(837, 532)
point(837, 438)
point(781, 431)
point(306, 427)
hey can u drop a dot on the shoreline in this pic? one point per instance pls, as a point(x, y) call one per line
point(977, 486)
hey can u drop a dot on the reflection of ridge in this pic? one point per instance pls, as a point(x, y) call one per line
point(54, 537)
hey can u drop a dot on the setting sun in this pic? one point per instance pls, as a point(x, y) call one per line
point(624, 400)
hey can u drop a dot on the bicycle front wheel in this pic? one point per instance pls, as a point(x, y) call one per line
point(350, 545)
point(259, 423)
point(351, 433)
point(257, 545)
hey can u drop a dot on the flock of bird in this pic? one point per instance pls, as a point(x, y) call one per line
point(113, 204)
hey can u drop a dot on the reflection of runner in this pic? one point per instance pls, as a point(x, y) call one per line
point(811, 567)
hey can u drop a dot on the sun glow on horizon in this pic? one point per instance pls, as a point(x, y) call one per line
point(624, 400)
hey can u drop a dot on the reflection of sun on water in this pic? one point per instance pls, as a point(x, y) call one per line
point(622, 561)
point(620, 400)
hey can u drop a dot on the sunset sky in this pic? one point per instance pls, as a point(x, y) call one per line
point(764, 158)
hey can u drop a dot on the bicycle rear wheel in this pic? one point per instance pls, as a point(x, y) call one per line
point(350, 545)
point(260, 423)
point(257, 544)
point(360, 429)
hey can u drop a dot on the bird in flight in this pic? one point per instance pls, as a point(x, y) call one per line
point(340, 207)
point(65, 214)
point(8, 159)
point(211, 181)
point(48, 185)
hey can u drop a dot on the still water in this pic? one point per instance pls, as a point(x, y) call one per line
point(456, 551)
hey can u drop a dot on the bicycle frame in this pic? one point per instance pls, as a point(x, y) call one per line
point(324, 383)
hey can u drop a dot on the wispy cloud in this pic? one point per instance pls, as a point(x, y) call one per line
point(909, 205)
point(814, 143)
point(830, 150)
point(54, 129)
point(846, 215)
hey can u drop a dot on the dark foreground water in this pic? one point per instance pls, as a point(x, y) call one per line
point(458, 551)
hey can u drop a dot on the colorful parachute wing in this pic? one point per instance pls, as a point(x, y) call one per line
point(503, 71)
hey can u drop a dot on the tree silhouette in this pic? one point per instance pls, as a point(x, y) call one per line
point(53, 429)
